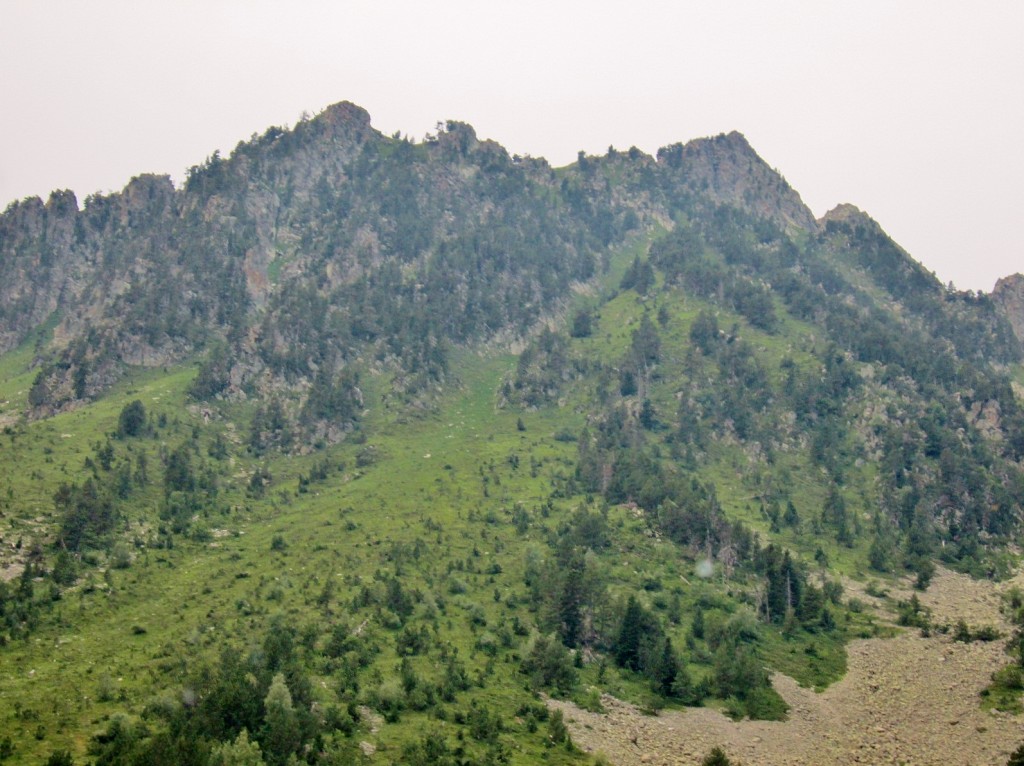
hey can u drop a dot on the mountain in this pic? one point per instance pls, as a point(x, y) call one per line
point(352, 446)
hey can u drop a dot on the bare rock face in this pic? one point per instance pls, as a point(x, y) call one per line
point(853, 216)
point(726, 168)
point(847, 213)
point(347, 120)
point(1009, 297)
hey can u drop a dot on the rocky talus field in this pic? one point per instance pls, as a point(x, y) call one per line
point(909, 700)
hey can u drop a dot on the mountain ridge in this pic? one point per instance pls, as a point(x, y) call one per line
point(87, 262)
point(724, 167)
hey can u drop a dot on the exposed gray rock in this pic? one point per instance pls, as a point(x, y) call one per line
point(728, 169)
point(1009, 297)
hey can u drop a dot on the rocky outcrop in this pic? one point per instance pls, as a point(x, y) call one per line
point(1009, 298)
point(850, 216)
point(844, 212)
point(727, 169)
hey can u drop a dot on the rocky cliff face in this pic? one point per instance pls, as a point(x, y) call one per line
point(727, 169)
point(1009, 297)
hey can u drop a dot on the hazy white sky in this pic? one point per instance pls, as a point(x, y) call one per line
point(913, 111)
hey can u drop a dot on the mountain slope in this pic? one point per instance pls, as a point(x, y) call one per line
point(354, 445)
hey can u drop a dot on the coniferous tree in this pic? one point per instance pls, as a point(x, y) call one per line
point(281, 734)
point(132, 419)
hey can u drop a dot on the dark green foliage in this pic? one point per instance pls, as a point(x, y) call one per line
point(785, 583)
point(132, 420)
point(961, 632)
point(716, 757)
point(270, 427)
point(791, 517)
point(834, 514)
point(431, 750)
point(582, 324)
point(60, 758)
point(121, 744)
point(214, 372)
point(640, 645)
point(64, 570)
point(645, 344)
point(1017, 757)
point(558, 732)
point(639, 276)
point(913, 614)
point(697, 623)
point(925, 569)
point(627, 382)
point(39, 393)
point(880, 553)
point(336, 399)
point(281, 734)
point(178, 474)
point(87, 512)
point(634, 628)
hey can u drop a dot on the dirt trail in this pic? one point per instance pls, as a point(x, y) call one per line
point(904, 700)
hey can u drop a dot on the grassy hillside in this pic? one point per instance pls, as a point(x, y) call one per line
point(409, 572)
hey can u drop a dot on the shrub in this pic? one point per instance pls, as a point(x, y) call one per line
point(716, 757)
point(548, 664)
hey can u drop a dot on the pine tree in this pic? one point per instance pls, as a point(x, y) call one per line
point(281, 735)
point(631, 633)
point(716, 757)
point(241, 752)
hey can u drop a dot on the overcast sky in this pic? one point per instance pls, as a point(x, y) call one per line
point(913, 111)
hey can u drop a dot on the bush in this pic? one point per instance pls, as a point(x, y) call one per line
point(549, 665)
point(986, 633)
point(60, 758)
point(1009, 677)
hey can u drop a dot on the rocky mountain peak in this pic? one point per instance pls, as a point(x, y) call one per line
point(726, 168)
point(345, 120)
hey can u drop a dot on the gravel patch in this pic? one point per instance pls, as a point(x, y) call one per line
point(905, 700)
